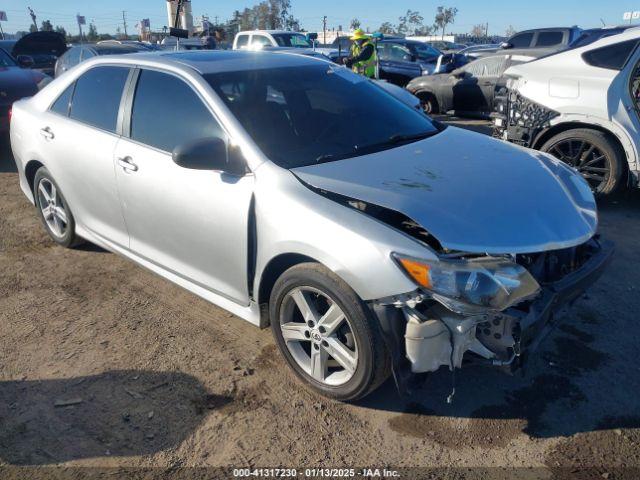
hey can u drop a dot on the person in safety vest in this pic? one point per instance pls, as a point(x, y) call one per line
point(363, 56)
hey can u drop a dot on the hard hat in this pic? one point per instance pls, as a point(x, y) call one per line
point(358, 34)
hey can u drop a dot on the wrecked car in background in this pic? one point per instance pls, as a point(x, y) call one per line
point(368, 246)
point(581, 106)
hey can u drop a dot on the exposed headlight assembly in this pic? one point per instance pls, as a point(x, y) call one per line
point(472, 286)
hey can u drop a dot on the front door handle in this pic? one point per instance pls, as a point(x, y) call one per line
point(47, 133)
point(127, 164)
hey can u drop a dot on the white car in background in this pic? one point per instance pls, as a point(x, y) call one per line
point(580, 105)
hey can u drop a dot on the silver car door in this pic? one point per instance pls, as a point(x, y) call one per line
point(193, 223)
point(80, 135)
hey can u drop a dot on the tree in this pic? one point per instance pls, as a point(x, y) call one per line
point(510, 31)
point(386, 28)
point(61, 30)
point(410, 23)
point(478, 31)
point(92, 34)
point(355, 24)
point(46, 26)
point(444, 17)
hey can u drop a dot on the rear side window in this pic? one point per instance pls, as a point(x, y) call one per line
point(73, 57)
point(161, 97)
point(242, 41)
point(522, 41)
point(61, 105)
point(97, 96)
point(260, 40)
point(613, 57)
point(549, 39)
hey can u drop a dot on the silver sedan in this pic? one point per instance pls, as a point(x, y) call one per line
point(296, 194)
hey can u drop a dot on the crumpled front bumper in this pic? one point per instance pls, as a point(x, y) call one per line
point(424, 340)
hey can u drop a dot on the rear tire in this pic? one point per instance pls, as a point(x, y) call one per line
point(356, 332)
point(594, 154)
point(53, 210)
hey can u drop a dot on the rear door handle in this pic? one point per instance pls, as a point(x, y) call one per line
point(127, 164)
point(47, 133)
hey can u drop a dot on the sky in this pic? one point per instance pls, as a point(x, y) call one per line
point(500, 14)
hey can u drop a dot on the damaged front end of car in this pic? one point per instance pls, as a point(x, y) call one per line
point(489, 310)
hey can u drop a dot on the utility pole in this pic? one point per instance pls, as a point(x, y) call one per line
point(33, 17)
point(486, 31)
point(124, 22)
point(324, 29)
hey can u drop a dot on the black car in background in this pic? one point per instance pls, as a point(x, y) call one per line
point(467, 91)
point(43, 48)
point(16, 82)
point(401, 60)
point(79, 53)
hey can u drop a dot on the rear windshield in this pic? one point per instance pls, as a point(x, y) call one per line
point(304, 115)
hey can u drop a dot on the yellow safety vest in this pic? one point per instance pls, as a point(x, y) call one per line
point(365, 67)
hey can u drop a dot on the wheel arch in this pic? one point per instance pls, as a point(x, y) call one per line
point(427, 93)
point(30, 170)
point(554, 130)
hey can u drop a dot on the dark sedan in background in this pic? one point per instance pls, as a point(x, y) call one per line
point(467, 91)
point(401, 60)
point(16, 82)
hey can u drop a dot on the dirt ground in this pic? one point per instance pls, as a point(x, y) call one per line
point(104, 364)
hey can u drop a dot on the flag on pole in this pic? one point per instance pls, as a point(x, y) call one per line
point(82, 20)
point(3, 16)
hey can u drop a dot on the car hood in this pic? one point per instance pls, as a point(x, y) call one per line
point(471, 192)
point(16, 83)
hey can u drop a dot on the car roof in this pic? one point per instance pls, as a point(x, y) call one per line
point(269, 31)
point(215, 61)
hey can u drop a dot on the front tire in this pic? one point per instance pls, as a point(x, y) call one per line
point(53, 210)
point(429, 103)
point(327, 334)
point(592, 152)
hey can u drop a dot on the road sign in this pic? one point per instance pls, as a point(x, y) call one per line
point(635, 15)
point(627, 15)
point(146, 23)
point(3, 16)
point(82, 20)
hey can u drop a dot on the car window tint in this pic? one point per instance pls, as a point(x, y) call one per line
point(613, 57)
point(521, 41)
point(167, 112)
point(61, 105)
point(399, 53)
point(549, 39)
point(97, 96)
point(242, 41)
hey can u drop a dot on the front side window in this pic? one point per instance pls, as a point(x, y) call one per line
point(522, 41)
point(97, 96)
point(424, 51)
point(612, 57)
point(549, 39)
point(167, 112)
point(321, 113)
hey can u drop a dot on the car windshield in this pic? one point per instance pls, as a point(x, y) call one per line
point(424, 51)
point(291, 40)
point(6, 60)
point(311, 114)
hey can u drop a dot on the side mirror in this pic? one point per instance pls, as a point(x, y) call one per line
point(210, 154)
point(506, 45)
point(25, 61)
point(458, 73)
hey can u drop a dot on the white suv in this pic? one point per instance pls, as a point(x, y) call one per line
point(580, 105)
point(259, 39)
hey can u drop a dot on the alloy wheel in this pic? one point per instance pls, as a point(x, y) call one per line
point(53, 209)
point(592, 163)
point(318, 336)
